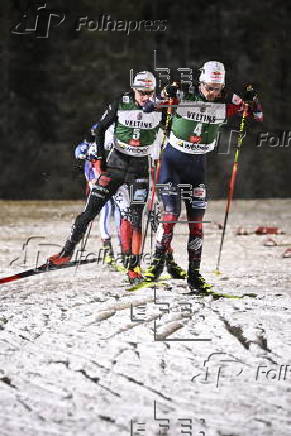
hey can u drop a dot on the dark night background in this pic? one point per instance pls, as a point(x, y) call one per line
point(53, 89)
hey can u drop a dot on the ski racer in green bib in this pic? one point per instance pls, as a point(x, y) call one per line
point(194, 131)
point(137, 133)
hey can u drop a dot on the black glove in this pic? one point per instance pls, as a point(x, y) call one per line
point(149, 106)
point(249, 95)
point(171, 90)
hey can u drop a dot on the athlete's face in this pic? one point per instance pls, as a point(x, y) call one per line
point(141, 97)
point(211, 91)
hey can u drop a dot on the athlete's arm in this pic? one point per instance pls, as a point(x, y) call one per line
point(235, 105)
point(107, 119)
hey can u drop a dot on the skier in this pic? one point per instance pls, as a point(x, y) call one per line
point(84, 151)
point(194, 130)
point(137, 132)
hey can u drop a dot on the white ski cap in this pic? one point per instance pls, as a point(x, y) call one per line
point(145, 81)
point(212, 72)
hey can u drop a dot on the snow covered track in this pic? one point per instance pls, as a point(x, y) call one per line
point(79, 355)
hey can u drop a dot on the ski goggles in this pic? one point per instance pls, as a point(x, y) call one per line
point(145, 92)
point(212, 88)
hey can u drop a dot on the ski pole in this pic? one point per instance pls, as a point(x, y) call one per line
point(154, 176)
point(83, 246)
point(232, 181)
point(155, 173)
point(85, 238)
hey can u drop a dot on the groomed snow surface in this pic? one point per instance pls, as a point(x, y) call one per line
point(80, 355)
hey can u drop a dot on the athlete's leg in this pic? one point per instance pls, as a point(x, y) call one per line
point(169, 178)
point(138, 198)
point(169, 193)
point(122, 201)
point(195, 208)
point(104, 217)
point(195, 214)
point(100, 193)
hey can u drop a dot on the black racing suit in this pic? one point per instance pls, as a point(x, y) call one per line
point(120, 169)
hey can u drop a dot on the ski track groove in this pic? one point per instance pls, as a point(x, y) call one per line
point(238, 332)
point(132, 380)
point(124, 376)
point(96, 380)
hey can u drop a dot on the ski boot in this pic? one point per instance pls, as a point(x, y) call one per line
point(134, 272)
point(155, 270)
point(134, 275)
point(196, 282)
point(109, 253)
point(64, 256)
point(175, 271)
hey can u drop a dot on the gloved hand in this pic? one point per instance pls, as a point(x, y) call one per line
point(86, 150)
point(249, 95)
point(149, 106)
point(101, 176)
point(81, 150)
point(171, 90)
point(92, 151)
